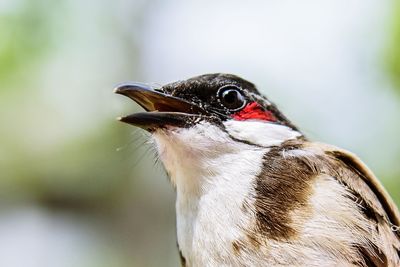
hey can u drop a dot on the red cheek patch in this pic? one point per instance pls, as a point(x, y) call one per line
point(253, 111)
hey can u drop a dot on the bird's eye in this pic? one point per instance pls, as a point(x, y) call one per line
point(231, 97)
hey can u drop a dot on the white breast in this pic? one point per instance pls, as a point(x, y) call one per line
point(213, 176)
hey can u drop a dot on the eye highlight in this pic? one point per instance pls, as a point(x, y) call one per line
point(231, 97)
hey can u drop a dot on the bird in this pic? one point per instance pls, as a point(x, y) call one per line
point(252, 189)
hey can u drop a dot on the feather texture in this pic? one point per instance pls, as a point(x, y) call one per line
point(296, 203)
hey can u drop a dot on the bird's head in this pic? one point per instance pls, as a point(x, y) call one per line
point(207, 116)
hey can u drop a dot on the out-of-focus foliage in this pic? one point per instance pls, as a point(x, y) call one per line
point(25, 34)
point(64, 159)
point(392, 59)
point(83, 169)
point(73, 168)
point(393, 50)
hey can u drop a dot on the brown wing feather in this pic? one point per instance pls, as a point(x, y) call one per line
point(376, 202)
point(354, 163)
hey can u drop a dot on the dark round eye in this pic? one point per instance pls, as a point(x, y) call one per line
point(231, 97)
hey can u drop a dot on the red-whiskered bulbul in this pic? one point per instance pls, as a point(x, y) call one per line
point(252, 190)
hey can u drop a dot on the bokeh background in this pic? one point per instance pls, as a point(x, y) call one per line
point(77, 188)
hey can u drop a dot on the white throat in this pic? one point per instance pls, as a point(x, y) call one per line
point(214, 175)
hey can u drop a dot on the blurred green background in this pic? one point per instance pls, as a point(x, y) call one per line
point(78, 188)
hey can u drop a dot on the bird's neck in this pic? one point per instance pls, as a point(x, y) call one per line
point(227, 169)
point(214, 175)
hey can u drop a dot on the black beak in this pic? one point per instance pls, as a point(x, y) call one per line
point(163, 109)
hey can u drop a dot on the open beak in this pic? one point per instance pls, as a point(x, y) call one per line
point(162, 109)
